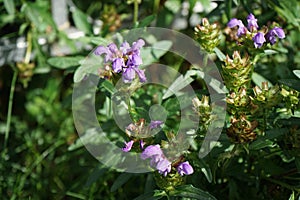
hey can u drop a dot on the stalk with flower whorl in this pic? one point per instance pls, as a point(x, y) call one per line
point(258, 37)
point(162, 164)
point(125, 60)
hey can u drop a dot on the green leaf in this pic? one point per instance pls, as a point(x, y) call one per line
point(260, 144)
point(219, 54)
point(153, 53)
point(39, 16)
point(9, 6)
point(190, 191)
point(95, 175)
point(258, 79)
point(292, 83)
point(192, 5)
point(154, 195)
point(206, 170)
point(121, 180)
point(180, 83)
point(81, 21)
point(99, 41)
point(90, 65)
point(297, 73)
point(160, 48)
point(292, 197)
point(108, 86)
point(65, 62)
point(173, 6)
point(146, 21)
point(270, 52)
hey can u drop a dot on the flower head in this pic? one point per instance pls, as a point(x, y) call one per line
point(185, 168)
point(158, 160)
point(252, 22)
point(242, 30)
point(273, 33)
point(128, 146)
point(126, 59)
point(258, 39)
point(164, 166)
point(151, 151)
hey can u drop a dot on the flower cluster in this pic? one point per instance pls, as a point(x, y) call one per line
point(236, 71)
point(162, 164)
point(258, 37)
point(158, 160)
point(208, 35)
point(139, 130)
point(125, 60)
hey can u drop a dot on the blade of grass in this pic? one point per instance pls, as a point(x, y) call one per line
point(10, 104)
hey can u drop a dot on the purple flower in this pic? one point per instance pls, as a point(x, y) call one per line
point(158, 160)
point(164, 166)
point(155, 124)
point(142, 144)
point(113, 55)
point(241, 28)
point(128, 74)
point(151, 151)
point(185, 168)
point(141, 75)
point(117, 65)
point(128, 146)
point(273, 33)
point(252, 22)
point(126, 59)
point(258, 39)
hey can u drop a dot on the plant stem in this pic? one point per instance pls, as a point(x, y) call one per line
point(135, 11)
point(156, 6)
point(10, 103)
point(29, 48)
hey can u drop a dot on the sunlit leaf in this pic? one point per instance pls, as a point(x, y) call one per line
point(81, 21)
point(65, 62)
point(146, 21)
point(297, 73)
point(9, 6)
point(258, 79)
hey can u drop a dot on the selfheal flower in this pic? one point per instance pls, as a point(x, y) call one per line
point(271, 35)
point(164, 166)
point(155, 124)
point(158, 160)
point(126, 59)
point(141, 75)
point(128, 146)
point(185, 168)
point(128, 74)
point(113, 55)
point(241, 28)
point(252, 22)
point(258, 39)
point(152, 151)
